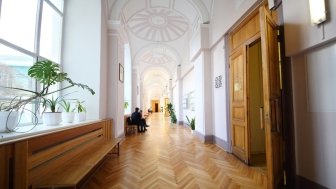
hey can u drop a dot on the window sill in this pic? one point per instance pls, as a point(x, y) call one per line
point(25, 132)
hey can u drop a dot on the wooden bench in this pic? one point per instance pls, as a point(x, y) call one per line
point(130, 128)
point(64, 159)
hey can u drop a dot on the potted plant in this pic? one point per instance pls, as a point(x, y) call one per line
point(67, 115)
point(171, 111)
point(8, 117)
point(47, 74)
point(126, 104)
point(80, 111)
point(191, 124)
point(53, 117)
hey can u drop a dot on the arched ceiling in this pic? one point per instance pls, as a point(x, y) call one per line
point(158, 24)
point(159, 33)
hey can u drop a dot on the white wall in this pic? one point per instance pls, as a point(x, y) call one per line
point(175, 99)
point(82, 52)
point(118, 91)
point(313, 90)
point(199, 95)
point(219, 94)
point(135, 90)
point(300, 34)
point(178, 106)
point(128, 79)
point(188, 86)
point(314, 78)
point(104, 63)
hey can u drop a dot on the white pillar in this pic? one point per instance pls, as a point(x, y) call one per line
point(115, 91)
point(203, 91)
point(170, 87)
point(135, 89)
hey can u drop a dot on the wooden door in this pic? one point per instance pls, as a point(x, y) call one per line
point(272, 98)
point(239, 130)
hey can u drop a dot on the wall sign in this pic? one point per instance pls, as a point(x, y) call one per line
point(218, 81)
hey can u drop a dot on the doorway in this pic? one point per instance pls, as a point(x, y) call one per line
point(254, 123)
point(255, 104)
point(155, 105)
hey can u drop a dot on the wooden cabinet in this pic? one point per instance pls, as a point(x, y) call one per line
point(31, 161)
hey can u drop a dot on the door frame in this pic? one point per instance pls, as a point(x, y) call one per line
point(227, 88)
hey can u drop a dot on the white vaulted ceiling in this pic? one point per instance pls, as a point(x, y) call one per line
point(159, 33)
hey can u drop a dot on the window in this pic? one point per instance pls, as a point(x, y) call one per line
point(18, 22)
point(58, 4)
point(51, 30)
point(30, 30)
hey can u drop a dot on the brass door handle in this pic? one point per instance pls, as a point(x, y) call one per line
point(261, 111)
point(275, 115)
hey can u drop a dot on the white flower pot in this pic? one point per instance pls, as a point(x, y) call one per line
point(52, 118)
point(80, 116)
point(8, 120)
point(68, 117)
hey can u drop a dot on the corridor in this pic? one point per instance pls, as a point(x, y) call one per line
point(169, 156)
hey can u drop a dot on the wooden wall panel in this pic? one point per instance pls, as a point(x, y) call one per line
point(245, 31)
point(21, 165)
point(108, 129)
point(15, 157)
point(238, 113)
point(6, 153)
point(239, 132)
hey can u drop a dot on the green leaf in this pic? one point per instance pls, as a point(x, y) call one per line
point(46, 72)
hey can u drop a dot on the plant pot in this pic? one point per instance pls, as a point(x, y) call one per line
point(68, 117)
point(192, 131)
point(52, 118)
point(80, 116)
point(8, 120)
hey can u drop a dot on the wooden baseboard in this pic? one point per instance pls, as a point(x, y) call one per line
point(301, 182)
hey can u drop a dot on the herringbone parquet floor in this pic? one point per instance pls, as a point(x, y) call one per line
point(169, 156)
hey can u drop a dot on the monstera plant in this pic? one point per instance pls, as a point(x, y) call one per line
point(47, 74)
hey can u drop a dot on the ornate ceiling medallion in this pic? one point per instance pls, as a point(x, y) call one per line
point(157, 55)
point(158, 24)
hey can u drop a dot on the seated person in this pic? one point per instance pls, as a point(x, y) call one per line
point(143, 119)
point(136, 118)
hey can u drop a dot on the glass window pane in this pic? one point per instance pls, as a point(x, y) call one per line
point(18, 21)
point(58, 3)
point(14, 73)
point(51, 34)
point(14, 68)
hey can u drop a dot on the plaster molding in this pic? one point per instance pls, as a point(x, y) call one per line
point(116, 28)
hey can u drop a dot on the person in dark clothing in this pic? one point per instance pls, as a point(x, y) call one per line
point(136, 118)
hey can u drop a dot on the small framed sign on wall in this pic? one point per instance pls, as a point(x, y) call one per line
point(121, 73)
point(218, 81)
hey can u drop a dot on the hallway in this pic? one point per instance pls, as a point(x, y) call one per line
point(169, 156)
